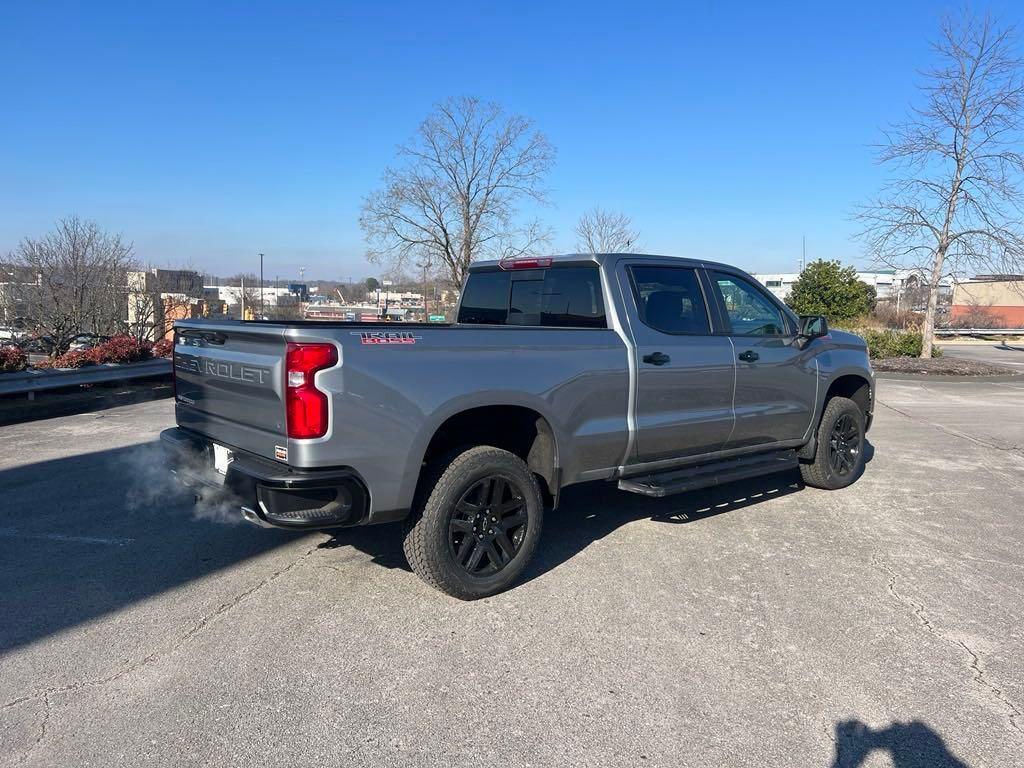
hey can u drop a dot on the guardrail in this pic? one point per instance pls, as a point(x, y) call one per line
point(38, 381)
point(979, 331)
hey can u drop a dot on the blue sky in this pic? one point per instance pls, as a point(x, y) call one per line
point(207, 132)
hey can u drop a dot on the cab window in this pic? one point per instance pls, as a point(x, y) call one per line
point(669, 299)
point(558, 297)
point(750, 312)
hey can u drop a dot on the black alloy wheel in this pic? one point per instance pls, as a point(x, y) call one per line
point(844, 445)
point(488, 525)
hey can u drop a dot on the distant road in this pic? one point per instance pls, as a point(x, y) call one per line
point(995, 352)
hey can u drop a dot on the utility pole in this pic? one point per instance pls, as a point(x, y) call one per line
point(803, 252)
point(425, 265)
point(242, 294)
point(262, 313)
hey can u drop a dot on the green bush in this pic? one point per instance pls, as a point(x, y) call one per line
point(889, 343)
point(827, 288)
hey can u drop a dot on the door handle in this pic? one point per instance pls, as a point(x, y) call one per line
point(657, 358)
point(749, 356)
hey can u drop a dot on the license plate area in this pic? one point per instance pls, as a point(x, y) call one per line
point(222, 457)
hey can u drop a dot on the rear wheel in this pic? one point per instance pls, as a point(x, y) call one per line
point(478, 525)
point(839, 455)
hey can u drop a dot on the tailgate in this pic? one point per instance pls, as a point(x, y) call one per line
point(229, 384)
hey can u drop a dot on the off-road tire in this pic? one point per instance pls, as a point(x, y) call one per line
point(426, 544)
point(820, 472)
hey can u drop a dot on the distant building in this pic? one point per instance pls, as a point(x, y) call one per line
point(15, 284)
point(158, 297)
point(989, 303)
point(888, 283)
point(232, 294)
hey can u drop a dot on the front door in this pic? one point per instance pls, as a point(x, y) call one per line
point(685, 374)
point(776, 387)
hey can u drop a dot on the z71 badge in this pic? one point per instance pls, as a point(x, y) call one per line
point(386, 337)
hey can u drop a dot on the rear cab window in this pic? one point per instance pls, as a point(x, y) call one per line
point(556, 297)
point(670, 300)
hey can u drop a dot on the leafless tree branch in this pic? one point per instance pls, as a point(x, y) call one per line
point(957, 196)
point(453, 200)
point(601, 231)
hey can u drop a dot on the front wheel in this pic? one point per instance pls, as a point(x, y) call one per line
point(478, 526)
point(839, 456)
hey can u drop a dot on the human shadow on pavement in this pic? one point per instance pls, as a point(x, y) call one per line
point(909, 745)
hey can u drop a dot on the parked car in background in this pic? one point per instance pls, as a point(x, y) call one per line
point(656, 373)
point(86, 341)
point(8, 334)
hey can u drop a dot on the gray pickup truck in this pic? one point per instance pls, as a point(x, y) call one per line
point(659, 374)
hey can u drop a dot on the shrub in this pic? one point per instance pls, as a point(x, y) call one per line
point(892, 343)
point(12, 359)
point(827, 288)
point(121, 349)
point(904, 319)
point(163, 348)
point(75, 359)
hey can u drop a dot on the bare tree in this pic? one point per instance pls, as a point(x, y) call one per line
point(246, 292)
point(955, 201)
point(454, 197)
point(80, 281)
point(601, 231)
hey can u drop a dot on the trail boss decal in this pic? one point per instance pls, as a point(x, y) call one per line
point(386, 337)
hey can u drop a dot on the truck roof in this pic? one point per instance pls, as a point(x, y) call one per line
point(603, 258)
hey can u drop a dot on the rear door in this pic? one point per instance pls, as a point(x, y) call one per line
point(776, 382)
point(685, 374)
point(229, 384)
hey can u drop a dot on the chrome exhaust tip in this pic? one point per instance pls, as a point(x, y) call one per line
point(249, 514)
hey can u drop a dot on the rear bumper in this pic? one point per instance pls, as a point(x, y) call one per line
point(264, 492)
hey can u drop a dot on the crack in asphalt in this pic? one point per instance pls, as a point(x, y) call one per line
point(42, 730)
point(194, 630)
point(953, 432)
point(975, 666)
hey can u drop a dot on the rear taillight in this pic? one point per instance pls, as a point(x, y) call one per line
point(306, 406)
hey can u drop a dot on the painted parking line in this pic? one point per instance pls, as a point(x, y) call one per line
point(13, 533)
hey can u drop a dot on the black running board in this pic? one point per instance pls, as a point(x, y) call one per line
point(705, 475)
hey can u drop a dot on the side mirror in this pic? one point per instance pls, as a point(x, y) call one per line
point(813, 326)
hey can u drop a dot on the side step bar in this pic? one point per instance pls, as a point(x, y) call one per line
point(705, 475)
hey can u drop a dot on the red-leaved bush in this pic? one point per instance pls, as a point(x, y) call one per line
point(119, 349)
point(122, 349)
point(75, 359)
point(12, 359)
point(163, 348)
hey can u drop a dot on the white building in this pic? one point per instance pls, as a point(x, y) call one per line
point(888, 283)
point(232, 294)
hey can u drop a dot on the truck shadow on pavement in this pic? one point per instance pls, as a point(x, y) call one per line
point(590, 511)
point(908, 745)
point(85, 536)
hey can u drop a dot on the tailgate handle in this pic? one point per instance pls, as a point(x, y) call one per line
point(210, 337)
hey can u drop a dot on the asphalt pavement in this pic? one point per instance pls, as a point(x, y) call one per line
point(998, 352)
point(758, 624)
